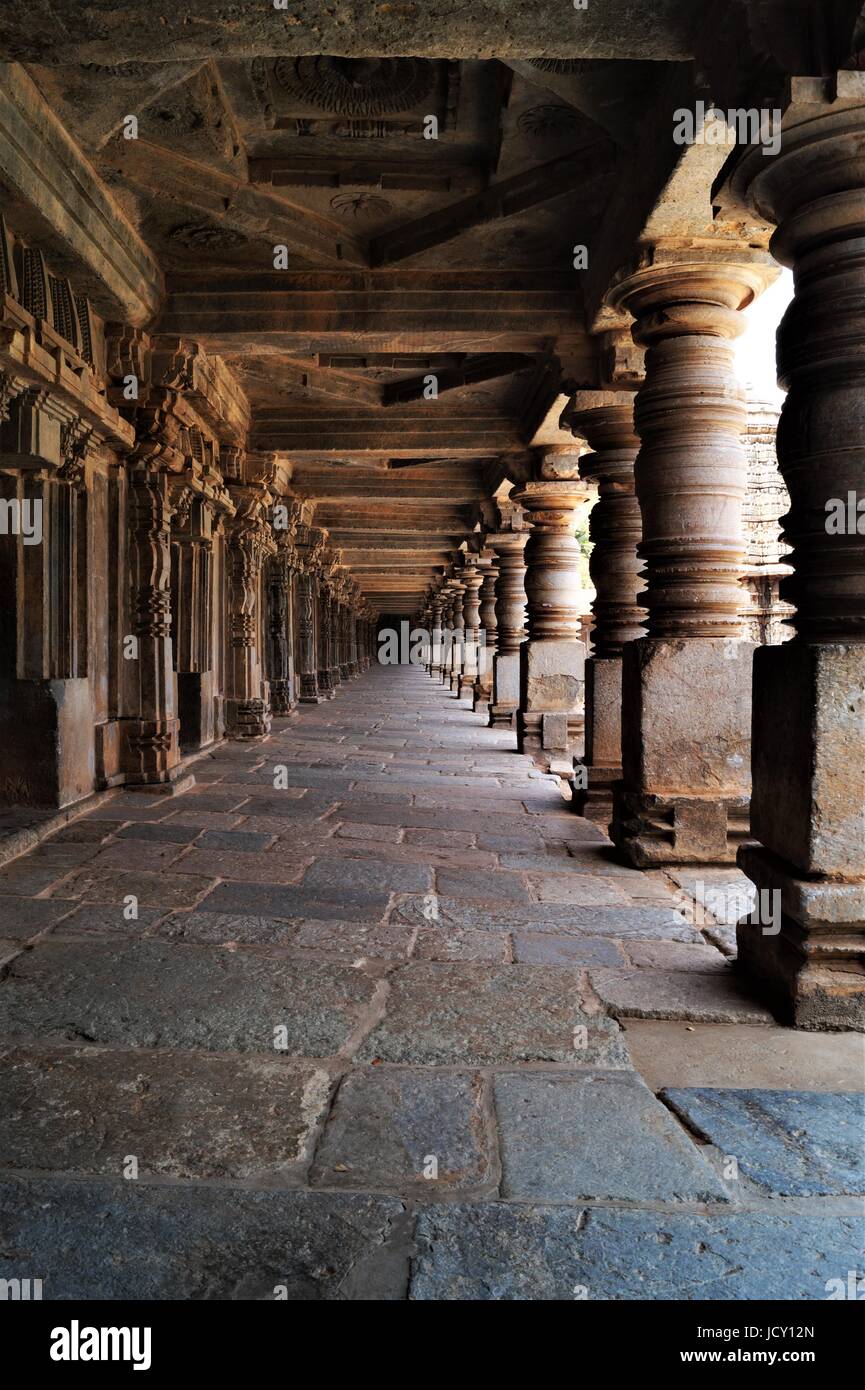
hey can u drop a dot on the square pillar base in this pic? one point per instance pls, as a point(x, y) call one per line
point(552, 676)
point(686, 744)
point(804, 948)
point(248, 718)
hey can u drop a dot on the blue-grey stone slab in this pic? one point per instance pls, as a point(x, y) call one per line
point(791, 1143)
point(521, 1251)
point(595, 1135)
point(99, 1239)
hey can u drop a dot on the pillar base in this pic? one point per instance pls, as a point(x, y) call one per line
point(281, 699)
point(654, 830)
point(810, 964)
point(481, 695)
point(152, 750)
point(248, 718)
point(502, 717)
point(595, 800)
point(552, 674)
point(325, 685)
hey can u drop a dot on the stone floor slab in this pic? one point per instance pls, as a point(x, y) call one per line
point(595, 1135)
point(176, 1114)
point(477, 1015)
point(157, 994)
point(97, 1239)
point(709, 998)
point(789, 1143)
point(722, 1054)
point(405, 1130)
point(500, 1251)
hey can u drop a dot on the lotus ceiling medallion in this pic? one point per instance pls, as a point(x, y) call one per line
point(357, 86)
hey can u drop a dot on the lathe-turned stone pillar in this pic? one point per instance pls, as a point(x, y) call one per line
point(449, 604)
point(686, 686)
point(764, 612)
point(436, 610)
point(808, 807)
point(483, 686)
point(458, 634)
point(508, 548)
point(605, 419)
point(472, 578)
point(552, 659)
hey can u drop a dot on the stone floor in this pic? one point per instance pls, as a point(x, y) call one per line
point(370, 1013)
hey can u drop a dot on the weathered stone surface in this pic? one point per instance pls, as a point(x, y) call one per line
point(649, 923)
point(683, 1054)
point(541, 948)
point(25, 917)
point(180, 1115)
point(484, 886)
point(434, 943)
point(405, 1129)
point(355, 939)
point(220, 928)
point(112, 920)
point(156, 994)
point(790, 1143)
point(281, 900)
point(594, 1135)
point(120, 1240)
point(347, 881)
point(583, 890)
point(150, 889)
point(530, 1252)
point(710, 998)
point(675, 955)
point(478, 1014)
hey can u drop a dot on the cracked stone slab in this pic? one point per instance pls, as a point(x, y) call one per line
point(358, 940)
point(478, 1014)
point(706, 998)
point(405, 1129)
point(595, 1135)
point(157, 994)
point(497, 1251)
point(222, 928)
point(790, 1143)
point(625, 922)
point(151, 889)
point(676, 955)
point(100, 1239)
point(436, 944)
point(178, 1114)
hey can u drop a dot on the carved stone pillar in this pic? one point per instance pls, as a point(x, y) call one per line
point(483, 686)
point(192, 615)
point(447, 651)
point(307, 643)
point(552, 659)
point(436, 609)
point(472, 578)
point(458, 634)
point(686, 686)
point(606, 420)
point(510, 611)
point(250, 543)
point(808, 805)
point(763, 611)
point(152, 735)
point(281, 570)
point(322, 627)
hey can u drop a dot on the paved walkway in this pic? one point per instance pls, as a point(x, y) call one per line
point(369, 1013)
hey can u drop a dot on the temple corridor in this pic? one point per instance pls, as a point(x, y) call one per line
point(388, 1019)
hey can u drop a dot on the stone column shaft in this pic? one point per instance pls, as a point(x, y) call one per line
point(510, 612)
point(684, 792)
point(807, 952)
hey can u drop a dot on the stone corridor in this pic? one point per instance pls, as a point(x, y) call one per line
point(369, 1012)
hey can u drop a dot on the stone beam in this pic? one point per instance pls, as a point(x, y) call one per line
point(391, 311)
point(528, 189)
point(35, 31)
point(401, 435)
point(56, 199)
point(473, 370)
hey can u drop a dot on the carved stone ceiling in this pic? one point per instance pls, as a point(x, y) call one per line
point(405, 257)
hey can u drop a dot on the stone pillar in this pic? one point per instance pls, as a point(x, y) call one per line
point(250, 543)
point(686, 686)
point(306, 590)
point(552, 659)
point(483, 687)
point(323, 630)
point(436, 607)
point(472, 578)
point(458, 626)
point(334, 636)
point(510, 609)
point(764, 613)
point(606, 420)
point(281, 570)
point(808, 808)
point(447, 652)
